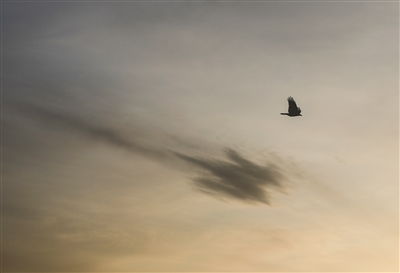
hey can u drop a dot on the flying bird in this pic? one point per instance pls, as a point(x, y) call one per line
point(293, 110)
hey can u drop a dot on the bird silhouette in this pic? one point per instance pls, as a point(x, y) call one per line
point(293, 110)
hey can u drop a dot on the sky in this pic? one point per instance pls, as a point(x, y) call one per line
point(146, 136)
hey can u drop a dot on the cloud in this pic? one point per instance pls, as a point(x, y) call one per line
point(237, 178)
point(94, 131)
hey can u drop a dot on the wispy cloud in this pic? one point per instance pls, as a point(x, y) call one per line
point(105, 134)
point(236, 177)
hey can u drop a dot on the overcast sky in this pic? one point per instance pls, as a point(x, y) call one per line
point(147, 136)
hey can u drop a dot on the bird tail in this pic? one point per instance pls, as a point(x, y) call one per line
point(285, 114)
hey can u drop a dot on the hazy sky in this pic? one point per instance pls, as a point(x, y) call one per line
point(146, 136)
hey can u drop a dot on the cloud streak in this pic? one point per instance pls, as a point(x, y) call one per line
point(94, 131)
point(236, 177)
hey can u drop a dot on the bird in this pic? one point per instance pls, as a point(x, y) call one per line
point(293, 110)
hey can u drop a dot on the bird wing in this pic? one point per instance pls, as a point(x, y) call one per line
point(292, 105)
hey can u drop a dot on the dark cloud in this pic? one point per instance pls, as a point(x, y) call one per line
point(238, 178)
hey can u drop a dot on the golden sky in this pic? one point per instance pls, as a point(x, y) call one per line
point(146, 136)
